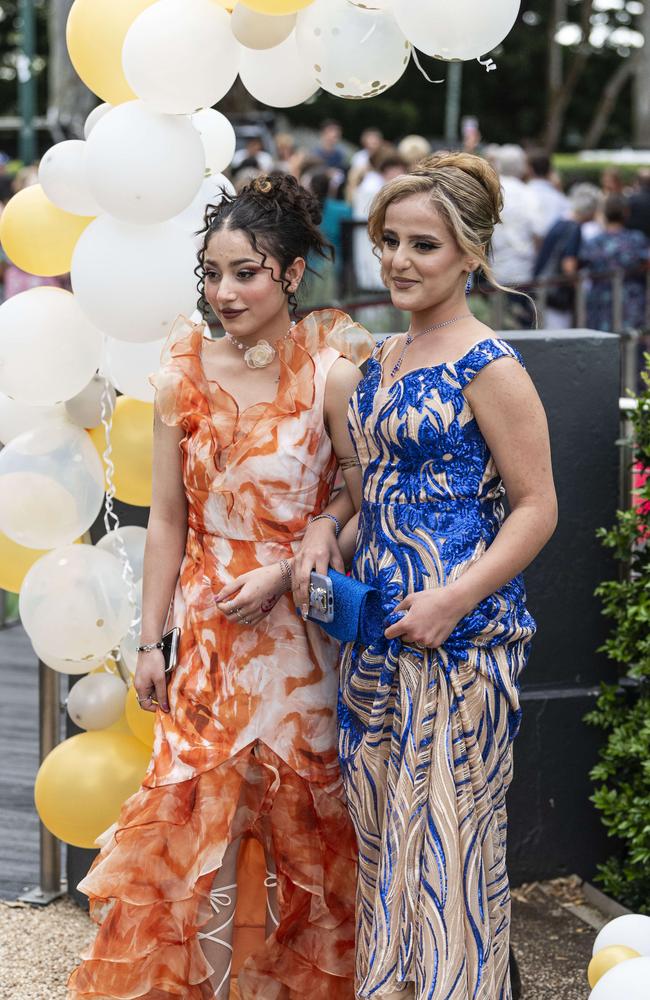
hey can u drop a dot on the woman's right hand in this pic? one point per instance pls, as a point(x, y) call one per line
point(151, 681)
point(318, 551)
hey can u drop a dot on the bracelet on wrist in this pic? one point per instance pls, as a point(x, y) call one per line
point(148, 647)
point(329, 517)
point(285, 569)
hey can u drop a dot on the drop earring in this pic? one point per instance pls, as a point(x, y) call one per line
point(469, 283)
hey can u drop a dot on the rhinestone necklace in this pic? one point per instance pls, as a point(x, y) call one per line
point(261, 354)
point(410, 337)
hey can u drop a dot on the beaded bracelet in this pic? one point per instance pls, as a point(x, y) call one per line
point(147, 647)
point(331, 517)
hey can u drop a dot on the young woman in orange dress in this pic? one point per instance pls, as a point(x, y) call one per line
point(250, 432)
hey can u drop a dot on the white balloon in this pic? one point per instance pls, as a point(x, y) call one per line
point(192, 220)
point(180, 55)
point(16, 418)
point(67, 666)
point(62, 175)
point(280, 77)
point(630, 980)
point(97, 701)
point(133, 281)
point(143, 166)
point(130, 642)
point(49, 350)
point(74, 601)
point(96, 115)
point(133, 538)
point(51, 486)
point(352, 52)
point(218, 138)
point(129, 366)
point(260, 31)
point(85, 409)
point(464, 29)
point(632, 929)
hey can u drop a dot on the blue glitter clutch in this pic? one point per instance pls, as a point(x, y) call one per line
point(358, 613)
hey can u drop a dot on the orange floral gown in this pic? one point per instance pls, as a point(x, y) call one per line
point(249, 745)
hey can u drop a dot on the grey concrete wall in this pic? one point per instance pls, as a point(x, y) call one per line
point(554, 829)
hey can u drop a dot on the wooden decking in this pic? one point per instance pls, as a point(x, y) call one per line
point(19, 843)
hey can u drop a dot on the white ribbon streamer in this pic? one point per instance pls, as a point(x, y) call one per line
point(111, 518)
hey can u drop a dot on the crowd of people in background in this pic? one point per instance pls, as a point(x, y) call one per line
point(547, 236)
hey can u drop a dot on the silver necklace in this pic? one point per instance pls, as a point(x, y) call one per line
point(410, 337)
point(261, 354)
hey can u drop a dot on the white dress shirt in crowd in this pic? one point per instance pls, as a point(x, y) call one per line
point(513, 244)
point(549, 205)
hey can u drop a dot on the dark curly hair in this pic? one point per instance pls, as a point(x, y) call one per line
point(280, 218)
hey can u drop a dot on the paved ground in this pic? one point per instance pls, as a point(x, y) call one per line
point(18, 763)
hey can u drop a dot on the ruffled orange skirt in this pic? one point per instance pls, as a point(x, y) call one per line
point(150, 887)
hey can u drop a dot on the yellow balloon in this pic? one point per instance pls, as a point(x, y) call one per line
point(15, 560)
point(37, 236)
point(606, 959)
point(95, 35)
point(276, 6)
point(121, 726)
point(141, 723)
point(82, 784)
point(132, 441)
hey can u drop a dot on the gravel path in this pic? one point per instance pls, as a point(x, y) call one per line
point(39, 947)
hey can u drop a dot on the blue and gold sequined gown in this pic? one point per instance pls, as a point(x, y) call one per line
point(426, 735)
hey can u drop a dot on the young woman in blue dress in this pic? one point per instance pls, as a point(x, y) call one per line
point(445, 423)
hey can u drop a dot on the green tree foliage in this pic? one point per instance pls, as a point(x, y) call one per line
point(9, 47)
point(622, 774)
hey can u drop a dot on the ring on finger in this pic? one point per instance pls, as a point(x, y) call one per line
point(141, 700)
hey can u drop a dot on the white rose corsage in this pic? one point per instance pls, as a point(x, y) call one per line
point(260, 355)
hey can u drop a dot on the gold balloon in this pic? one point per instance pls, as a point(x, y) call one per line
point(141, 723)
point(15, 560)
point(276, 6)
point(95, 35)
point(37, 236)
point(82, 784)
point(132, 441)
point(606, 959)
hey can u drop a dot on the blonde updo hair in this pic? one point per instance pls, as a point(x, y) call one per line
point(464, 189)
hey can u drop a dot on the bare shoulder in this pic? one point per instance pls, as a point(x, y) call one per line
point(503, 396)
point(343, 376)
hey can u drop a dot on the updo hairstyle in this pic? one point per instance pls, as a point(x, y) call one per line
point(280, 218)
point(463, 188)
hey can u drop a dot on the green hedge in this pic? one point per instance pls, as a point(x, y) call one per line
point(622, 774)
point(575, 171)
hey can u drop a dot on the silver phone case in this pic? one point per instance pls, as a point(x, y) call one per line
point(321, 598)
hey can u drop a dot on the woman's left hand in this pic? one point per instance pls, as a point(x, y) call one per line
point(251, 596)
point(430, 618)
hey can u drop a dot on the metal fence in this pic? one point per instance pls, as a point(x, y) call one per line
point(345, 288)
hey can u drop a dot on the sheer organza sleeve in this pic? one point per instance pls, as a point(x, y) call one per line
point(173, 389)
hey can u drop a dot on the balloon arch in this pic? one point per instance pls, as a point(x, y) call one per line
point(118, 211)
